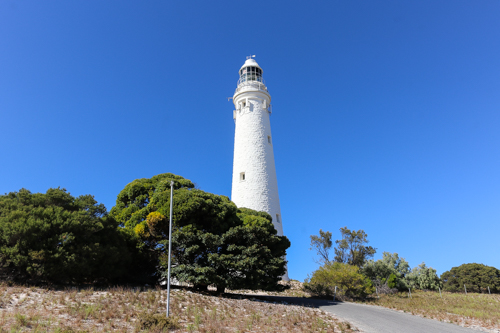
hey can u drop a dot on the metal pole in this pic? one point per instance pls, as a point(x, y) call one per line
point(440, 293)
point(489, 290)
point(335, 295)
point(409, 292)
point(465, 289)
point(376, 290)
point(170, 246)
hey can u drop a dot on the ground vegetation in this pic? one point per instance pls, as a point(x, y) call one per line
point(30, 309)
point(479, 311)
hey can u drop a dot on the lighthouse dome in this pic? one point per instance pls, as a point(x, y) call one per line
point(250, 71)
point(251, 63)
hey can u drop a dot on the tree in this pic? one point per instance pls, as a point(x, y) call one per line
point(423, 277)
point(347, 278)
point(381, 270)
point(351, 248)
point(322, 244)
point(55, 237)
point(212, 242)
point(476, 277)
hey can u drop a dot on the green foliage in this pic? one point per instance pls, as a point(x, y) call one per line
point(212, 242)
point(352, 249)
point(148, 233)
point(322, 244)
point(349, 281)
point(56, 237)
point(423, 277)
point(476, 277)
point(382, 269)
point(392, 281)
point(224, 246)
point(143, 196)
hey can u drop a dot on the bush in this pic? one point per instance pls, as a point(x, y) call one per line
point(380, 272)
point(476, 277)
point(55, 237)
point(156, 322)
point(423, 277)
point(349, 281)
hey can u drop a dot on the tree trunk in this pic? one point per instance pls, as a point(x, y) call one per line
point(201, 287)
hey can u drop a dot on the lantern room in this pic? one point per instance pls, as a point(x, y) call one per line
point(250, 71)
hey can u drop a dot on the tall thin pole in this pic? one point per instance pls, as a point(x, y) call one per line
point(170, 245)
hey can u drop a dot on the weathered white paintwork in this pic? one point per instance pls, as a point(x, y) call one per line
point(253, 150)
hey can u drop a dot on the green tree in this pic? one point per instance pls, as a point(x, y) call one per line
point(349, 281)
point(476, 277)
point(55, 237)
point(423, 277)
point(352, 249)
point(212, 242)
point(391, 264)
point(149, 233)
point(322, 244)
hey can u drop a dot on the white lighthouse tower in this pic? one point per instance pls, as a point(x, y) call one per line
point(254, 174)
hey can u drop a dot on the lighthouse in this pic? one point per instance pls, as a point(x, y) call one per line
point(254, 173)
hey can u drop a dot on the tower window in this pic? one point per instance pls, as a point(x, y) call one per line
point(269, 139)
point(278, 218)
point(242, 176)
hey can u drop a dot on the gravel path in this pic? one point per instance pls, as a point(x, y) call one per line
point(375, 319)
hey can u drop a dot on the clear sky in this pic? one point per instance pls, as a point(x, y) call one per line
point(386, 114)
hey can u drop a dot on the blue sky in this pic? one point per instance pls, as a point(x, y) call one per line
point(386, 114)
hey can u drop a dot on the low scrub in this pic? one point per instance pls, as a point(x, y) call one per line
point(156, 322)
point(138, 310)
point(349, 281)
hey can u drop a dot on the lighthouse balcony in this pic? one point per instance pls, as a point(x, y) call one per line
point(250, 85)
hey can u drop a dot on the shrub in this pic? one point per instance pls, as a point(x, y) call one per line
point(423, 277)
point(476, 277)
point(156, 322)
point(349, 281)
point(55, 237)
point(381, 270)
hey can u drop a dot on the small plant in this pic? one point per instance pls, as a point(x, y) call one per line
point(156, 321)
point(22, 320)
point(345, 327)
point(197, 320)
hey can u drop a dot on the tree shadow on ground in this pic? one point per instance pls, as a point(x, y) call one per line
point(287, 300)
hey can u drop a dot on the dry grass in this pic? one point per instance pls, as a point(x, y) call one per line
point(24, 309)
point(295, 289)
point(481, 311)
